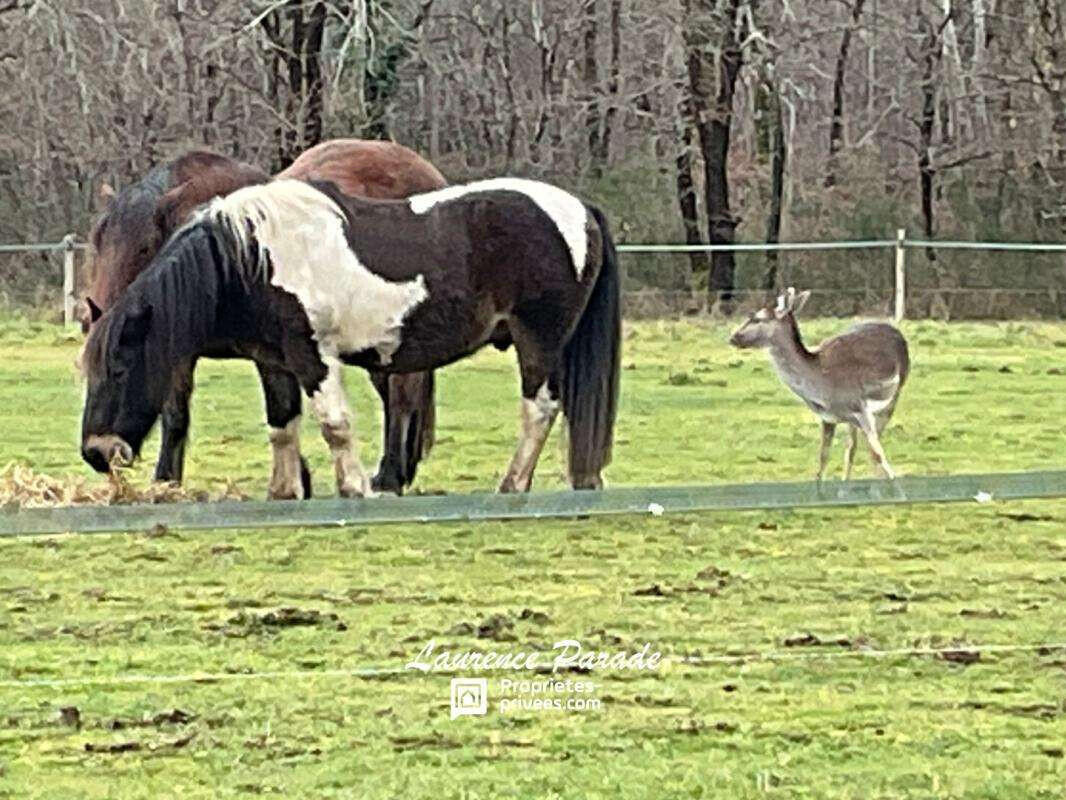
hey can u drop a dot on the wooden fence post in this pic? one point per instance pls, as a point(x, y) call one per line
point(69, 300)
point(901, 277)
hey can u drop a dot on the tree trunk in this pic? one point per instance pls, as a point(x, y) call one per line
point(290, 146)
point(931, 50)
point(613, 83)
point(778, 156)
point(301, 55)
point(591, 78)
point(713, 50)
point(836, 125)
point(977, 67)
point(313, 85)
point(686, 194)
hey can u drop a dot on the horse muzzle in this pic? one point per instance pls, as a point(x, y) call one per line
point(100, 452)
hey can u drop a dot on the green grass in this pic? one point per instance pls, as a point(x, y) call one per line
point(820, 723)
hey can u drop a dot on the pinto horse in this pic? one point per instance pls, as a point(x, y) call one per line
point(140, 219)
point(312, 279)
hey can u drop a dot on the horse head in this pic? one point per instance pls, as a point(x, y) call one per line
point(124, 394)
point(136, 222)
point(124, 240)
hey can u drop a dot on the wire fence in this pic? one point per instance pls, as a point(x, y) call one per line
point(937, 284)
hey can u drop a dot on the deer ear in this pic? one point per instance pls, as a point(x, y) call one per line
point(782, 306)
point(801, 301)
point(94, 310)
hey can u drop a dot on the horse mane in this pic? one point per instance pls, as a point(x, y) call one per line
point(260, 219)
point(227, 243)
point(199, 175)
point(129, 202)
point(183, 287)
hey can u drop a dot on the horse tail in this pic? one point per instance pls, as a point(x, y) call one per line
point(591, 364)
point(410, 427)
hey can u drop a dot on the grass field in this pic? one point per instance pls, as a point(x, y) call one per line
point(817, 588)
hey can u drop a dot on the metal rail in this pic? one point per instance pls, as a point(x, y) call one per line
point(542, 505)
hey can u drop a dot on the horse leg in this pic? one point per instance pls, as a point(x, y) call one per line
point(540, 407)
point(409, 416)
point(389, 474)
point(290, 478)
point(175, 425)
point(330, 405)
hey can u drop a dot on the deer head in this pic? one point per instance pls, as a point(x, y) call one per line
point(761, 327)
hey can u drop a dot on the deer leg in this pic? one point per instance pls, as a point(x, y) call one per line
point(828, 430)
point(330, 406)
point(849, 450)
point(869, 429)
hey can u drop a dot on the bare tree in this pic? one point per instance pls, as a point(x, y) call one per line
point(714, 32)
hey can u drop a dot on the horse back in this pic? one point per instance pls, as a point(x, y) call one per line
point(483, 258)
point(360, 168)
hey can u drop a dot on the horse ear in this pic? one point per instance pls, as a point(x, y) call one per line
point(94, 310)
point(135, 328)
point(166, 211)
point(105, 194)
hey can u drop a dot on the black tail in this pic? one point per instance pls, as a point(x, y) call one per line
point(410, 425)
point(591, 363)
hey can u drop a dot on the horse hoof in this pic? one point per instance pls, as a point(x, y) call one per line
point(386, 484)
point(587, 482)
point(352, 492)
point(509, 486)
point(286, 491)
point(272, 495)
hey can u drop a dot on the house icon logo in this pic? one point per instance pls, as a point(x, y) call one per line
point(470, 697)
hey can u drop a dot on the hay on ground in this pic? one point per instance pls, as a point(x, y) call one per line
point(23, 487)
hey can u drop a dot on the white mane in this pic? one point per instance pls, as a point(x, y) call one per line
point(274, 213)
point(302, 231)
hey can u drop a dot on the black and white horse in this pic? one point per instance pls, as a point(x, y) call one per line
point(310, 279)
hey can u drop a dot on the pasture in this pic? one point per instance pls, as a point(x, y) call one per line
point(816, 588)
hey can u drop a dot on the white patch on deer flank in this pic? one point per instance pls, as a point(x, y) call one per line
point(885, 394)
point(566, 211)
point(350, 308)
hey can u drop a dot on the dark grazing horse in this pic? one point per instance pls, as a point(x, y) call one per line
point(312, 279)
point(138, 221)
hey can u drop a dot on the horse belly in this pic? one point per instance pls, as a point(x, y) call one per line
point(436, 336)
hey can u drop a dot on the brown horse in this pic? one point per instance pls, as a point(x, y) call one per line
point(139, 220)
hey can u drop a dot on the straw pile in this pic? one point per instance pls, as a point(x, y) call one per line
point(22, 487)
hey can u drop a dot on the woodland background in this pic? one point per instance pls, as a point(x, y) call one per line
point(687, 120)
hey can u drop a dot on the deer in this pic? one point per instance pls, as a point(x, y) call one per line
point(854, 378)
